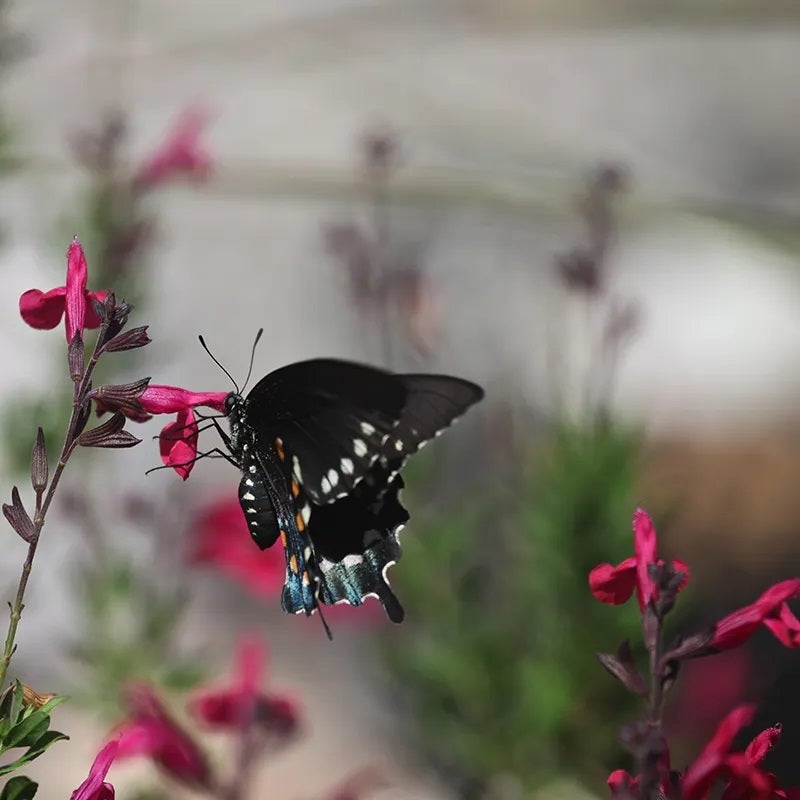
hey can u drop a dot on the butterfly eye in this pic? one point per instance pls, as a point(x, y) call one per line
point(231, 401)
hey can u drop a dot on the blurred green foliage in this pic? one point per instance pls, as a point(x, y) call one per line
point(130, 635)
point(497, 660)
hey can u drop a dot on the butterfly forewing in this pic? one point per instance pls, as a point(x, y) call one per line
point(334, 418)
point(433, 403)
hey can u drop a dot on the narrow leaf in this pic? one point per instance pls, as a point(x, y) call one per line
point(18, 517)
point(39, 471)
point(19, 788)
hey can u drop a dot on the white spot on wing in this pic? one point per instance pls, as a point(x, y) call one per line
point(252, 469)
point(367, 429)
point(248, 482)
point(359, 448)
point(352, 560)
point(347, 466)
point(398, 445)
point(325, 484)
point(305, 512)
point(296, 469)
point(333, 477)
point(248, 496)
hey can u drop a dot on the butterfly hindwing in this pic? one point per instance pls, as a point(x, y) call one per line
point(356, 540)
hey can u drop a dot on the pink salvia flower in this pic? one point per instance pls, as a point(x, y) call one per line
point(178, 440)
point(95, 786)
point(180, 153)
point(243, 703)
point(44, 310)
point(172, 399)
point(770, 610)
point(150, 731)
point(615, 585)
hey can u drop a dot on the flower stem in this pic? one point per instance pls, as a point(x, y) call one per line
point(42, 505)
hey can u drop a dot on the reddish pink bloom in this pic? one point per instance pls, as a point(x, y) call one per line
point(770, 610)
point(44, 310)
point(242, 702)
point(178, 440)
point(615, 585)
point(95, 786)
point(150, 731)
point(181, 152)
point(172, 399)
point(704, 698)
point(745, 779)
point(223, 540)
point(716, 760)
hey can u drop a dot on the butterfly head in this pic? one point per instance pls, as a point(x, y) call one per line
point(235, 411)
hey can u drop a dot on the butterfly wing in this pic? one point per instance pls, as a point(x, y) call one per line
point(332, 416)
point(356, 538)
point(433, 403)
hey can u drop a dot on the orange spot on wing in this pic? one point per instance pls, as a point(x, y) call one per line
point(283, 538)
point(295, 488)
point(293, 563)
point(279, 449)
point(299, 522)
point(306, 579)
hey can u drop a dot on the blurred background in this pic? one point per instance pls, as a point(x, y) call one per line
point(590, 207)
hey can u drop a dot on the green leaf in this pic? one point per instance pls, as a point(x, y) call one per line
point(29, 731)
point(33, 752)
point(19, 788)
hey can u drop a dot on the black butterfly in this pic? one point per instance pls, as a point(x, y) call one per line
point(320, 444)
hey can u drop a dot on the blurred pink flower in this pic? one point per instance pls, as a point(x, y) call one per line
point(44, 310)
point(710, 686)
point(95, 786)
point(150, 731)
point(242, 702)
point(223, 540)
point(181, 152)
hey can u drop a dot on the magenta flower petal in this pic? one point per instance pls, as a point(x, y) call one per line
point(613, 585)
point(94, 787)
point(172, 399)
point(150, 731)
point(737, 627)
point(711, 763)
point(42, 310)
point(181, 152)
point(645, 548)
point(77, 277)
point(178, 443)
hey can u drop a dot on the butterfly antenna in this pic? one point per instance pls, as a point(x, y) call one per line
point(324, 623)
point(214, 359)
point(252, 358)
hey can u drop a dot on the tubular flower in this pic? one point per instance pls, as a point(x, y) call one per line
point(150, 731)
point(615, 585)
point(242, 703)
point(180, 152)
point(72, 301)
point(178, 439)
point(744, 776)
point(770, 610)
point(95, 786)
